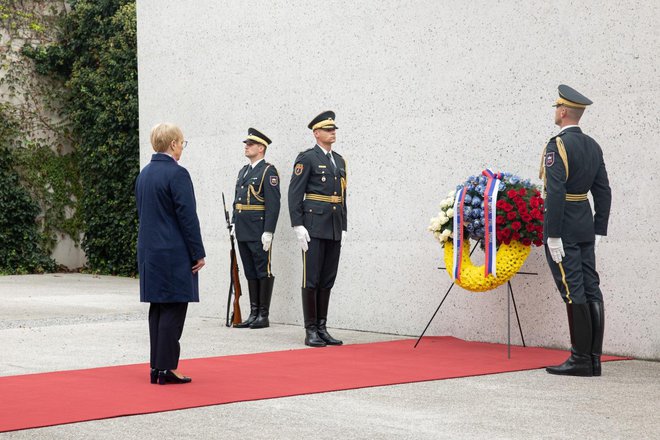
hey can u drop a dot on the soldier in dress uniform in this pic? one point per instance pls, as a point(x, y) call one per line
point(256, 208)
point(317, 205)
point(572, 167)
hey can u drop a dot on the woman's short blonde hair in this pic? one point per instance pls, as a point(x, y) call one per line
point(162, 136)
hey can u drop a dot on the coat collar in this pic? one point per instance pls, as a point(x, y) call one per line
point(571, 129)
point(161, 157)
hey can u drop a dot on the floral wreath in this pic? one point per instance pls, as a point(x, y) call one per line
point(501, 211)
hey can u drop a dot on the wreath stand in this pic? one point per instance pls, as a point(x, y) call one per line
point(510, 298)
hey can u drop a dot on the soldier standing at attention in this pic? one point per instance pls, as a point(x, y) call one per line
point(317, 205)
point(256, 208)
point(573, 166)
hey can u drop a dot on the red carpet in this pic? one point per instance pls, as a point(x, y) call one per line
point(36, 400)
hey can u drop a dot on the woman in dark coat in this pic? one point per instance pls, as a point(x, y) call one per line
point(170, 250)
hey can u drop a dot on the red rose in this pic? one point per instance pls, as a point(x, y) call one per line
point(534, 202)
point(500, 203)
point(499, 220)
point(526, 217)
point(522, 191)
point(530, 227)
point(516, 226)
point(536, 214)
point(506, 232)
point(515, 236)
point(538, 242)
point(507, 207)
point(511, 215)
point(526, 241)
point(507, 240)
point(511, 193)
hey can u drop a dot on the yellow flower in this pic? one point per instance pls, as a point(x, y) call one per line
point(510, 259)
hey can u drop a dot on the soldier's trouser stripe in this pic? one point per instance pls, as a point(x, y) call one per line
point(304, 280)
point(563, 280)
point(268, 264)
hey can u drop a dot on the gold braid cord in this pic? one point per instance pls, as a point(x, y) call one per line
point(251, 188)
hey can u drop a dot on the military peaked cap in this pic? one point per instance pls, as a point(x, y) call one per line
point(572, 98)
point(257, 136)
point(324, 120)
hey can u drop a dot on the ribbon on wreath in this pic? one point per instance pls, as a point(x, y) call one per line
point(459, 218)
point(490, 210)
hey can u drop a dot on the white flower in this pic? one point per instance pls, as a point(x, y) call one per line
point(443, 204)
point(446, 233)
point(443, 219)
point(435, 224)
point(450, 212)
point(451, 194)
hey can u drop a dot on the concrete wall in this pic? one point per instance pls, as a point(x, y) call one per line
point(426, 94)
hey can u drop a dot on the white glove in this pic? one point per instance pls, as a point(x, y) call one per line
point(598, 237)
point(303, 237)
point(343, 237)
point(266, 240)
point(556, 248)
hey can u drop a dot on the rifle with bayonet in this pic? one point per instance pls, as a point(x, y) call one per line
point(233, 317)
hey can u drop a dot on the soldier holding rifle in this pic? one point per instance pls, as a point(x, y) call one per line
point(256, 209)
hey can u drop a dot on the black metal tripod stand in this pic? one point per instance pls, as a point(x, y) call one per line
point(510, 298)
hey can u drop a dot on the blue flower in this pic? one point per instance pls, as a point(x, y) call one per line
point(476, 201)
point(468, 199)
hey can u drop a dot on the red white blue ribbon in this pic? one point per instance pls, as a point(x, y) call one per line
point(490, 226)
point(459, 216)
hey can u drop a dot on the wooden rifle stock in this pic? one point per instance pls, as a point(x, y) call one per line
point(236, 283)
point(234, 317)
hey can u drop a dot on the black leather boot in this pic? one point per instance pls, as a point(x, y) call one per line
point(579, 362)
point(322, 301)
point(597, 329)
point(265, 293)
point(253, 290)
point(309, 312)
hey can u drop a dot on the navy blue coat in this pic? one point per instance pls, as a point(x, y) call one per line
point(169, 238)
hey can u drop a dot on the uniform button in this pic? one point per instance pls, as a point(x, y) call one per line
point(241, 187)
point(335, 192)
point(335, 178)
point(334, 208)
point(239, 198)
point(310, 210)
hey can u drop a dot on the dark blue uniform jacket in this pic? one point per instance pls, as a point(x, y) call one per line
point(259, 188)
point(574, 221)
point(313, 173)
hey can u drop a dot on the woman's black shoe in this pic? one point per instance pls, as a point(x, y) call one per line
point(166, 376)
point(154, 375)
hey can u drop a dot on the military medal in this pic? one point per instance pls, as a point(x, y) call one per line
point(323, 179)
